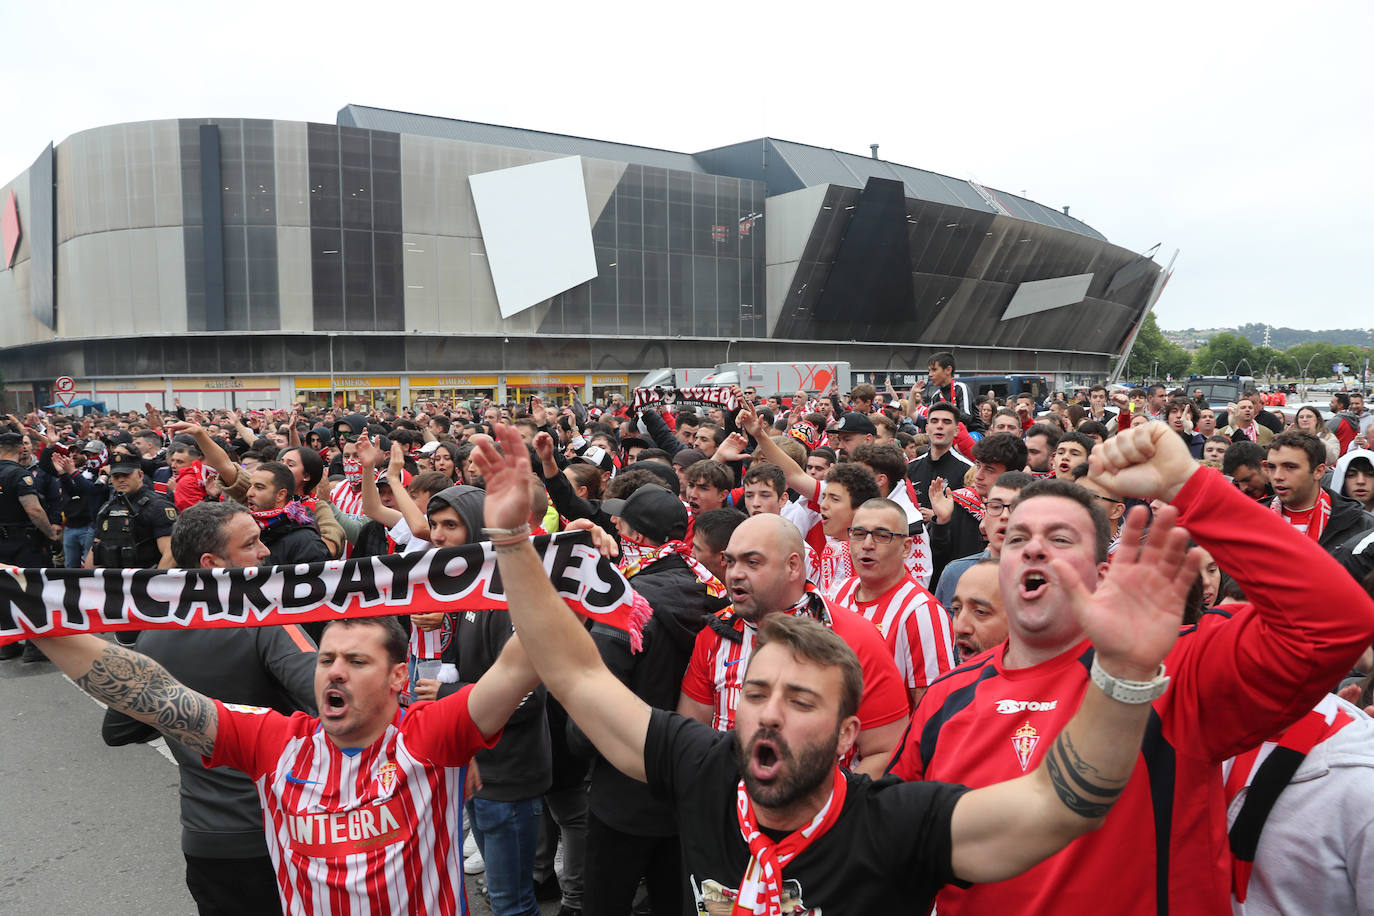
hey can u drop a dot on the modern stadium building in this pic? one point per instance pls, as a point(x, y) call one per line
point(393, 256)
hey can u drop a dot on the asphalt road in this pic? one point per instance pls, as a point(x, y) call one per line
point(88, 828)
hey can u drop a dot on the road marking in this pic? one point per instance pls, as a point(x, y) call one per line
point(159, 743)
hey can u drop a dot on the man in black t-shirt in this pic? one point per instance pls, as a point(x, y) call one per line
point(767, 817)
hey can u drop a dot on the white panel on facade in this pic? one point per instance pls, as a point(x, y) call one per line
point(167, 172)
point(1043, 295)
point(171, 278)
point(294, 283)
point(537, 234)
point(421, 254)
point(790, 219)
point(290, 155)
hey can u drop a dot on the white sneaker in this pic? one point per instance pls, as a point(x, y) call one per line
point(470, 845)
point(473, 864)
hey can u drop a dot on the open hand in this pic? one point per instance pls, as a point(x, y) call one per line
point(942, 506)
point(507, 475)
point(1134, 615)
point(369, 455)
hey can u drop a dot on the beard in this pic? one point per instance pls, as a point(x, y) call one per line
point(803, 771)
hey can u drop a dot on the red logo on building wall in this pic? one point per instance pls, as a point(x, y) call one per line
point(9, 229)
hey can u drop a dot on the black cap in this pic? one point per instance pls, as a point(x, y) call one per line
point(652, 511)
point(11, 439)
point(125, 464)
point(853, 422)
point(687, 457)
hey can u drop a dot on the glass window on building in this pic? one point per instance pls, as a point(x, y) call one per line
point(357, 393)
point(606, 386)
point(451, 390)
point(553, 390)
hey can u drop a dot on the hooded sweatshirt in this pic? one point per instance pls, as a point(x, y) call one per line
point(1343, 465)
point(520, 766)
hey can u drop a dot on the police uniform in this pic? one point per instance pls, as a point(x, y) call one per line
point(21, 544)
point(128, 526)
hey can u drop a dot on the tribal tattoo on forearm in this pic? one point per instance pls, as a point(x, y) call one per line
point(138, 686)
point(1069, 774)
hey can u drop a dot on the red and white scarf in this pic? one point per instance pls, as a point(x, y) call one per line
point(968, 498)
point(1321, 514)
point(1251, 431)
point(760, 890)
point(647, 556)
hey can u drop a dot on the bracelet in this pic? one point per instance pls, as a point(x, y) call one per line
point(502, 537)
point(1124, 691)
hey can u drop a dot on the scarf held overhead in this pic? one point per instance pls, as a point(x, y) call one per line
point(63, 602)
point(721, 397)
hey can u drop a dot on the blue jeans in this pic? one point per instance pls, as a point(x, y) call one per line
point(75, 543)
point(507, 834)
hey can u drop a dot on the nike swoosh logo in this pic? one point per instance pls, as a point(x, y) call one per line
point(301, 782)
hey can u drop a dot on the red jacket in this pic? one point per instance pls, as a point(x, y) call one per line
point(1238, 676)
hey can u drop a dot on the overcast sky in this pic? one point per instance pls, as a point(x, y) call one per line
point(1238, 133)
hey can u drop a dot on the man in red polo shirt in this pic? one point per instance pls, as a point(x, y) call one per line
point(1237, 677)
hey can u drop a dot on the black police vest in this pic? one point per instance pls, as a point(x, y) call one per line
point(116, 526)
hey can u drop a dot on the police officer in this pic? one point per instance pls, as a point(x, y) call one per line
point(25, 532)
point(133, 530)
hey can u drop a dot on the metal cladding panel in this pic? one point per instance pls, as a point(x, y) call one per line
point(402, 122)
point(1043, 295)
point(42, 233)
point(966, 266)
point(871, 278)
point(212, 237)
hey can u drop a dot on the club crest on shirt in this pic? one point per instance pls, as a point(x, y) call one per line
point(1024, 740)
point(386, 777)
point(239, 707)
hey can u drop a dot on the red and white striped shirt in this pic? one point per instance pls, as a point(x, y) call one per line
point(346, 500)
point(369, 830)
point(912, 623)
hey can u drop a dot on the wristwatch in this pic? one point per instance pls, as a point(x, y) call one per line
point(1124, 691)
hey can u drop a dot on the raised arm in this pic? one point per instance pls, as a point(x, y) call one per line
point(561, 649)
point(137, 686)
point(768, 450)
point(415, 519)
point(210, 451)
point(369, 456)
point(1132, 619)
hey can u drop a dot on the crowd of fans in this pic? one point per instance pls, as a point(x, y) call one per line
point(900, 506)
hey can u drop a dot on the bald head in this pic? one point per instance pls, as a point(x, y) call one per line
point(775, 530)
point(765, 566)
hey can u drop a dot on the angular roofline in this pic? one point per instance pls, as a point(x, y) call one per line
point(528, 130)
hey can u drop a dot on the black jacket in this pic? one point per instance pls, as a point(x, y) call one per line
point(221, 816)
point(520, 766)
point(291, 542)
point(681, 608)
point(1346, 536)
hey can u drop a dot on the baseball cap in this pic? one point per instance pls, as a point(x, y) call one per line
point(94, 447)
point(652, 511)
point(429, 448)
point(11, 440)
point(125, 464)
point(383, 481)
point(688, 457)
point(597, 457)
point(854, 422)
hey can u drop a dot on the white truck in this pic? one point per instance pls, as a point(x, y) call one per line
point(782, 379)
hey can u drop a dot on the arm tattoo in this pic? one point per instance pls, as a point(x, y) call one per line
point(139, 687)
point(1068, 774)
